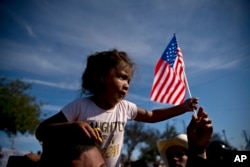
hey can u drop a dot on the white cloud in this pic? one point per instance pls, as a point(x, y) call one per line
point(63, 85)
point(40, 60)
point(95, 31)
point(49, 107)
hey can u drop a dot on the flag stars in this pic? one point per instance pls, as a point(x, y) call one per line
point(170, 53)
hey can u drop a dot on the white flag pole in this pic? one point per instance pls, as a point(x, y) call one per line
point(185, 77)
point(188, 89)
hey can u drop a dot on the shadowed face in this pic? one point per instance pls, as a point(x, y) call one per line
point(116, 84)
point(177, 156)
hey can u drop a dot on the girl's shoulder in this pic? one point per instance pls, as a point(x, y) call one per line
point(129, 107)
point(81, 101)
point(126, 103)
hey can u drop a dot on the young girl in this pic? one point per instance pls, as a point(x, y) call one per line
point(106, 79)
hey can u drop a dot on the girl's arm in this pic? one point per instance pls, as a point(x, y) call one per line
point(57, 128)
point(158, 115)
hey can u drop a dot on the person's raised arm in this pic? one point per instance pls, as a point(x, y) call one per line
point(162, 114)
point(199, 132)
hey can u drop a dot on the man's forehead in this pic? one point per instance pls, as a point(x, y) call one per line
point(175, 148)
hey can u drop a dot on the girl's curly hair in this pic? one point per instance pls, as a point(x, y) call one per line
point(98, 65)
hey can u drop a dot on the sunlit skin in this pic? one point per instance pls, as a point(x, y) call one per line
point(177, 156)
point(90, 158)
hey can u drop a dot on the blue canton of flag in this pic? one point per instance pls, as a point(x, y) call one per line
point(170, 53)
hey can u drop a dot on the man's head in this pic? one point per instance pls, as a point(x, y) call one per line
point(72, 152)
point(174, 151)
point(87, 156)
point(86, 153)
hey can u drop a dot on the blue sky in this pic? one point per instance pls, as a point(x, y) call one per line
point(47, 42)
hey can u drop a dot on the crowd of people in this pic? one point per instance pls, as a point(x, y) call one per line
point(70, 139)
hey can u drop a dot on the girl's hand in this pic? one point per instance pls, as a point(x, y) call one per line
point(190, 104)
point(83, 127)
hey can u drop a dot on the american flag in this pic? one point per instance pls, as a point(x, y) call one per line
point(169, 84)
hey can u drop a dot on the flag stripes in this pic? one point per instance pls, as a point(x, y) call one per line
point(169, 84)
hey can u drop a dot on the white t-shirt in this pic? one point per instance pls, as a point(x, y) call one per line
point(111, 122)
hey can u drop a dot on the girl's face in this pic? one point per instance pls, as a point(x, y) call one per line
point(116, 84)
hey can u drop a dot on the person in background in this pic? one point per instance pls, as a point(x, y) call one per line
point(218, 152)
point(27, 160)
point(174, 151)
point(189, 150)
point(106, 82)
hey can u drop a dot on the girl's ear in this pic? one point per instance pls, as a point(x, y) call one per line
point(101, 79)
point(96, 79)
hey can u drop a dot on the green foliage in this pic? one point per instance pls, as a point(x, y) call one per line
point(149, 152)
point(134, 135)
point(137, 136)
point(169, 132)
point(19, 111)
point(216, 136)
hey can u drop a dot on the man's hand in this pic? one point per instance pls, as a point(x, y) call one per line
point(199, 132)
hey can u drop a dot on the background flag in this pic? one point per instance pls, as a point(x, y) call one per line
point(169, 84)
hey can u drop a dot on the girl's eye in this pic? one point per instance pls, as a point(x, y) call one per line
point(124, 77)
